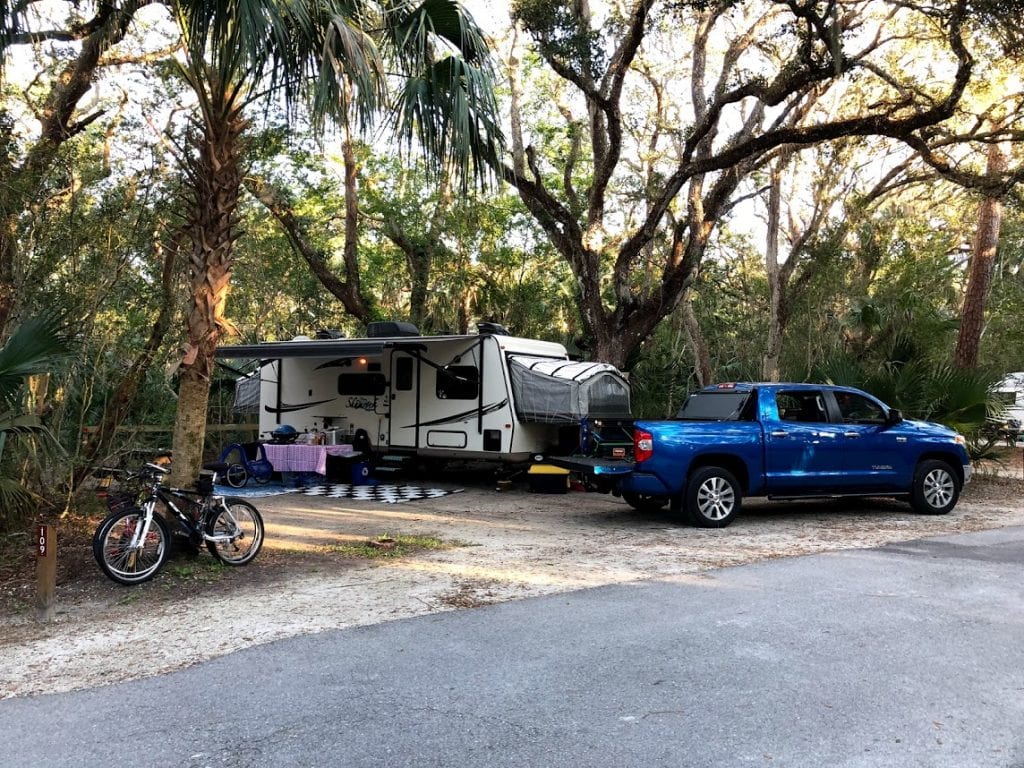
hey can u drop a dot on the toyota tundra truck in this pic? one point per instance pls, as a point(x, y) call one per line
point(782, 441)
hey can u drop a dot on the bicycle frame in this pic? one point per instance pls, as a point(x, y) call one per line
point(193, 526)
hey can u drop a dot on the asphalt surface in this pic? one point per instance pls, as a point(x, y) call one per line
point(907, 655)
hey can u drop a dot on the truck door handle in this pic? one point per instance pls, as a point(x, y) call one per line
point(851, 434)
point(780, 433)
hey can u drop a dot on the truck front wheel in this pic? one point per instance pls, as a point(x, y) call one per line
point(936, 488)
point(713, 497)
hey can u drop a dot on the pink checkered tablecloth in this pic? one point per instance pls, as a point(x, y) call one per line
point(304, 458)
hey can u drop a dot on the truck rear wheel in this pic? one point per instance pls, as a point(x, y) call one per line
point(936, 488)
point(713, 497)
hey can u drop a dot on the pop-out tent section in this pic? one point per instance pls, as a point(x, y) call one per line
point(565, 392)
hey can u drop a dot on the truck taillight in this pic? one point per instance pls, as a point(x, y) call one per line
point(643, 445)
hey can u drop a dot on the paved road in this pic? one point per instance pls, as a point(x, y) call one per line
point(908, 655)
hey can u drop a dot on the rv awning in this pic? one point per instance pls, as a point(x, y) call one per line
point(564, 391)
point(273, 350)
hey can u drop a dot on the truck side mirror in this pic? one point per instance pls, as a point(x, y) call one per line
point(895, 416)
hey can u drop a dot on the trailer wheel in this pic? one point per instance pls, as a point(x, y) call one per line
point(644, 502)
point(713, 497)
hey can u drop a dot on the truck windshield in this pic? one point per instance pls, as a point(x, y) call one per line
point(713, 406)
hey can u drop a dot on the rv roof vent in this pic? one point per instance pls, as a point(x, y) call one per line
point(301, 337)
point(386, 328)
point(329, 333)
point(495, 329)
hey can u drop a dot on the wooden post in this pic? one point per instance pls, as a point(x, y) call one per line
point(46, 570)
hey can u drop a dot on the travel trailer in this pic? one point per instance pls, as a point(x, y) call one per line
point(1010, 395)
point(486, 396)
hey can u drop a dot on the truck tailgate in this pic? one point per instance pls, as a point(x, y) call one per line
point(592, 466)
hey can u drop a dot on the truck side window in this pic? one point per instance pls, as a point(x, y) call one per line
point(856, 409)
point(802, 406)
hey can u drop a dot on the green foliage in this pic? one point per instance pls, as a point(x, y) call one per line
point(34, 348)
point(561, 35)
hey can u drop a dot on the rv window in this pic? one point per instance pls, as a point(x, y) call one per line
point(403, 373)
point(361, 384)
point(458, 382)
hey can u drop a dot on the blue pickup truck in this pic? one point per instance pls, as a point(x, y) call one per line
point(784, 441)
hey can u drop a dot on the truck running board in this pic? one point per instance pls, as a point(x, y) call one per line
point(799, 496)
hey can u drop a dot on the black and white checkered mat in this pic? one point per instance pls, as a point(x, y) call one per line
point(385, 494)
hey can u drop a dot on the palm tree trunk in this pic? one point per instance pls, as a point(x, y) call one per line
point(216, 179)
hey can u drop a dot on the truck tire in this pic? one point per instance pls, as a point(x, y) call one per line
point(713, 497)
point(643, 502)
point(936, 488)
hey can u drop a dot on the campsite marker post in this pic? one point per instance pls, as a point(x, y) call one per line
point(46, 570)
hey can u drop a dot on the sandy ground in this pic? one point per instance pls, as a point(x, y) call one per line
point(515, 545)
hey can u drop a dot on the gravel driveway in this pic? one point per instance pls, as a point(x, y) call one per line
point(515, 544)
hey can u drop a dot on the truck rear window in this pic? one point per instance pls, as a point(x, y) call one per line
point(716, 406)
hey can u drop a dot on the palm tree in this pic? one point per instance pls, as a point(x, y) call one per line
point(34, 348)
point(339, 57)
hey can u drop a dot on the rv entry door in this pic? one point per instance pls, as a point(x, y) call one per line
point(405, 399)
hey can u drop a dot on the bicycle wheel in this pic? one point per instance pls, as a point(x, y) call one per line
point(238, 527)
point(122, 562)
point(236, 475)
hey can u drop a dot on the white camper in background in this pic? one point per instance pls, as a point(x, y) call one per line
point(490, 396)
point(1010, 394)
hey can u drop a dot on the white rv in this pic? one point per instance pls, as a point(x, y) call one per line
point(486, 396)
point(1010, 395)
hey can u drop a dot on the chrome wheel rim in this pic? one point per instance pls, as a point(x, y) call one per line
point(938, 488)
point(716, 498)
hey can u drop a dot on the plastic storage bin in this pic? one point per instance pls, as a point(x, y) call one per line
point(546, 478)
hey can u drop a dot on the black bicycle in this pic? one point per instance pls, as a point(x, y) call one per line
point(133, 542)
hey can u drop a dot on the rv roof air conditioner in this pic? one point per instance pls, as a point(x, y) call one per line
point(388, 328)
point(495, 329)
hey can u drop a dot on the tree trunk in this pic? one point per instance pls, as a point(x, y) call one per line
point(216, 177)
point(701, 356)
point(773, 348)
point(347, 291)
point(979, 277)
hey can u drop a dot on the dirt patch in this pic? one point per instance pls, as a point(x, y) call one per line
point(511, 545)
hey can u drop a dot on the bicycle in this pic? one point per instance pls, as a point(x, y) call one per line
point(133, 542)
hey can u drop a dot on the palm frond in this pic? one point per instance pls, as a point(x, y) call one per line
point(349, 57)
point(14, 499)
point(447, 105)
point(34, 347)
point(448, 110)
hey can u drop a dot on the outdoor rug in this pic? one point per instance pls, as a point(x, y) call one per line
point(384, 494)
point(253, 491)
